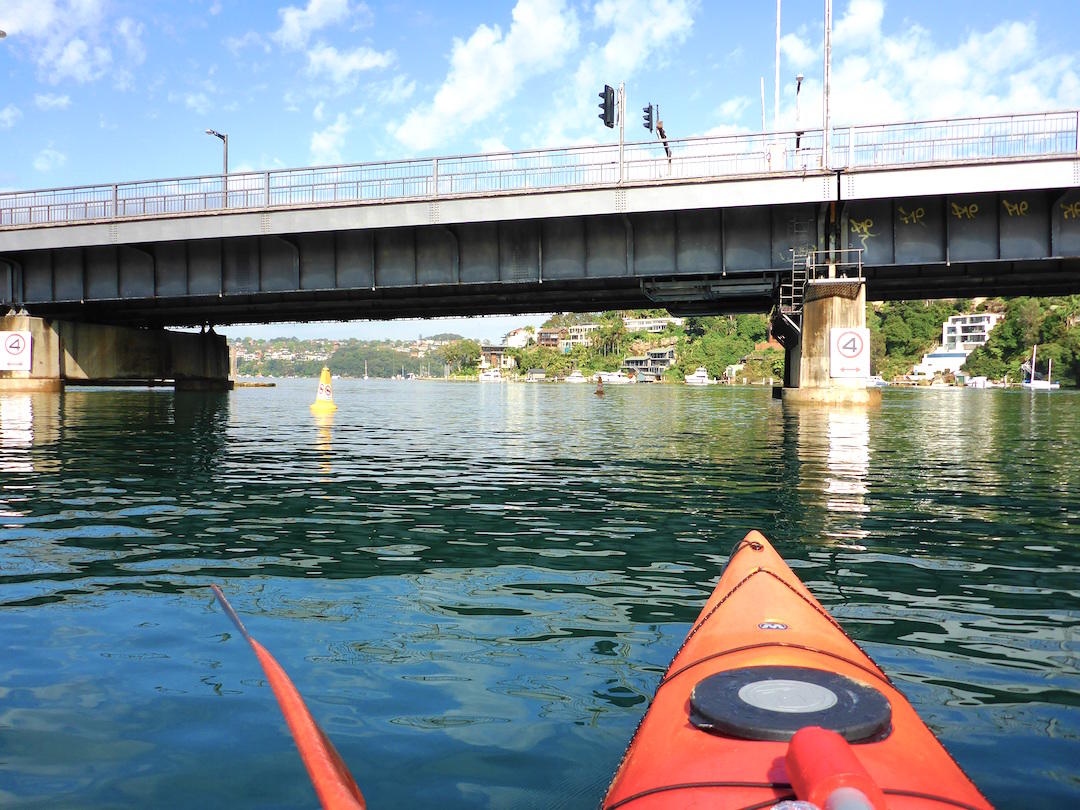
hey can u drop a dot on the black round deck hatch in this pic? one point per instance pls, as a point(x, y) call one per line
point(772, 703)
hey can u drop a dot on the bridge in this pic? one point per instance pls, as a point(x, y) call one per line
point(975, 206)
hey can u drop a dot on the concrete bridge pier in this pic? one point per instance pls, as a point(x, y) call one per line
point(70, 353)
point(808, 373)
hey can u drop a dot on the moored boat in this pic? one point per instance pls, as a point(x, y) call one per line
point(614, 378)
point(491, 375)
point(768, 700)
point(699, 377)
point(576, 377)
point(1033, 383)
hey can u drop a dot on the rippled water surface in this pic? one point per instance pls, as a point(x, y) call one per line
point(477, 587)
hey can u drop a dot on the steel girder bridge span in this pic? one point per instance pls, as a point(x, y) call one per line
point(943, 208)
point(966, 207)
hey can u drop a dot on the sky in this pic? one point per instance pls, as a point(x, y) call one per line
point(115, 90)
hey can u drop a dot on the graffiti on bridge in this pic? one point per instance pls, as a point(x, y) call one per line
point(861, 229)
point(914, 217)
point(1019, 209)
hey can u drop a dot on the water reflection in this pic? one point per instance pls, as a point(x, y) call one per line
point(27, 421)
point(324, 442)
point(833, 446)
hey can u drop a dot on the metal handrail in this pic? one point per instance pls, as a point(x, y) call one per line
point(945, 141)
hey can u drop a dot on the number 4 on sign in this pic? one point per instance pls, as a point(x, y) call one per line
point(15, 353)
point(849, 352)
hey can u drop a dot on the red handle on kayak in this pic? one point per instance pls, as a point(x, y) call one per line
point(334, 785)
point(821, 762)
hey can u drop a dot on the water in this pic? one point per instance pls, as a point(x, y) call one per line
point(477, 587)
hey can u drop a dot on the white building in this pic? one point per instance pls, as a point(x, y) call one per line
point(578, 335)
point(653, 325)
point(520, 338)
point(960, 336)
point(967, 332)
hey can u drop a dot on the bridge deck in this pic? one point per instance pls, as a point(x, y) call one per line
point(962, 207)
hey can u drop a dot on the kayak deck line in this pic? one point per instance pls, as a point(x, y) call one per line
point(771, 666)
point(782, 644)
point(707, 785)
point(789, 796)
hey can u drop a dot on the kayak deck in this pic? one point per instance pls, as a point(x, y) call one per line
point(716, 734)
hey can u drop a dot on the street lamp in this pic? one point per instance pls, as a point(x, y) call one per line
point(225, 170)
point(798, 87)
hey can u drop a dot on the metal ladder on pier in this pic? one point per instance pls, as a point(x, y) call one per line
point(793, 289)
point(812, 265)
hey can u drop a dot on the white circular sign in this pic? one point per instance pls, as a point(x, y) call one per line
point(15, 351)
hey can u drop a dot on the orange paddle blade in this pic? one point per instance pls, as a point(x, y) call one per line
point(333, 783)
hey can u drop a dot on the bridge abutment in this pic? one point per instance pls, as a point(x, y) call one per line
point(808, 373)
point(70, 353)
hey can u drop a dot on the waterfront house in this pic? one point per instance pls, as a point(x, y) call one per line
point(652, 325)
point(549, 338)
point(580, 334)
point(520, 338)
point(535, 375)
point(651, 366)
point(960, 336)
point(496, 357)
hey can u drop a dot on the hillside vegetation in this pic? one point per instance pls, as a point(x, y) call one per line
point(1051, 323)
point(900, 333)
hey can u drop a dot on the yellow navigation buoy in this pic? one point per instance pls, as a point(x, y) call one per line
point(324, 400)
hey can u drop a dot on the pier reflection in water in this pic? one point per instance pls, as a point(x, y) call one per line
point(477, 587)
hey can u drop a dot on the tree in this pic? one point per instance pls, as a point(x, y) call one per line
point(460, 355)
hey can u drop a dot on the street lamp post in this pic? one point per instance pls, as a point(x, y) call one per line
point(225, 167)
point(798, 130)
point(825, 124)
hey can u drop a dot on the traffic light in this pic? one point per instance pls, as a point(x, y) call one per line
point(607, 106)
point(648, 116)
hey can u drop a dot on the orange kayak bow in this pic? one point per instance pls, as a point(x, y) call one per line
point(768, 700)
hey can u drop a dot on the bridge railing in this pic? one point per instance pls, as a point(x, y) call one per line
point(714, 156)
point(957, 140)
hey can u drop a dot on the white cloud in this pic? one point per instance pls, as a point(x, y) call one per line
point(77, 60)
point(319, 112)
point(130, 33)
point(48, 159)
point(326, 144)
point(733, 108)
point(197, 102)
point(489, 68)
point(491, 145)
point(72, 40)
point(797, 51)
point(342, 67)
point(51, 101)
point(298, 24)
point(881, 76)
point(250, 39)
point(396, 91)
point(860, 24)
point(215, 9)
point(9, 115)
point(640, 31)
